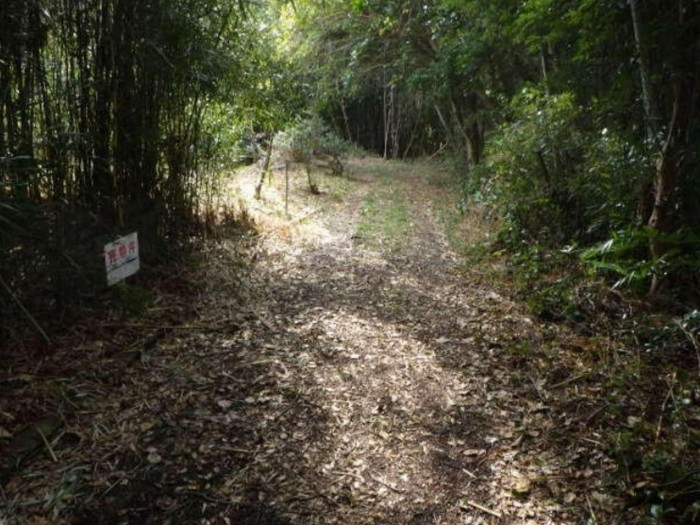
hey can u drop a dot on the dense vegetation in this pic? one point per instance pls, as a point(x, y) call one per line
point(577, 120)
point(116, 115)
point(573, 123)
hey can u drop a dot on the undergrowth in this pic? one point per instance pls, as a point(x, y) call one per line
point(650, 364)
point(645, 357)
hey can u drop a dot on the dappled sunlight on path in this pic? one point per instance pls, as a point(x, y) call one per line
point(399, 355)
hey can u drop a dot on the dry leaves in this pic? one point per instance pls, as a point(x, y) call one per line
point(342, 385)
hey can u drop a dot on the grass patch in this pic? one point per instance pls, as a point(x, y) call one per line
point(337, 187)
point(466, 227)
point(133, 300)
point(385, 217)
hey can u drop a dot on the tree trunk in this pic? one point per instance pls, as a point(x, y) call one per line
point(651, 114)
point(446, 128)
point(543, 67)
point(669, 168)
point(671, 162)
point(265, 170)
point(346, 119)
point(396, 111)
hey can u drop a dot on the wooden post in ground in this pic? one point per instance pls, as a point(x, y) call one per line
point(286, 188)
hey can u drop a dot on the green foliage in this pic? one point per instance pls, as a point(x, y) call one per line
point(119, 116)
point(531, 164)
point(548, 282)
point(624, 256)
point(554, 181)
point(309, 137)
point(671, 480)
point(134, 300)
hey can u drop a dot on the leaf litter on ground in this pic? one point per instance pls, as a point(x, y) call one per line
point(325, 380)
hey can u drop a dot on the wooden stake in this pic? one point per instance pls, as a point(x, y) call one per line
point(286, 188)
point(469, 503)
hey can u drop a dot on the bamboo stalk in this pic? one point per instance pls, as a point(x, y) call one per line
point(25, 311)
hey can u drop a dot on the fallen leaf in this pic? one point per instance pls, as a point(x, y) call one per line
point(633, 420)
point(522, 485)
point(146, 426)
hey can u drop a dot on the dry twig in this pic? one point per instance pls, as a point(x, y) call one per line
point(468, 503)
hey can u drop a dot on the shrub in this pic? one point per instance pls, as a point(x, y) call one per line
point(309, 137)
point(554, 181)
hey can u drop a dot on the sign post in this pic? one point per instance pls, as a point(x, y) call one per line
point(122, 258)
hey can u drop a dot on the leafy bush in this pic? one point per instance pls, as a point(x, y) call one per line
point(550, 284)
point(309, 137)
point(554, 181)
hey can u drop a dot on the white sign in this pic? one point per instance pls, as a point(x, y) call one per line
point(122, 258)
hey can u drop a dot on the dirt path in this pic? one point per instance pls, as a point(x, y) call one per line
point(392, 392)
point(364, 379)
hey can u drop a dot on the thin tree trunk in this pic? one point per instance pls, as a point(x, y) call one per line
point(389, 118)
point(670, 165)
point(396, 124)
point(346, 119)
point(445, 126)
point(651, 114)
point(543, 67)
point(668, 170)
point(467, 140)
point(411, 139)
point(265, 170)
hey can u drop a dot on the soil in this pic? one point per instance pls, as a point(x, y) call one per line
point(315, 375)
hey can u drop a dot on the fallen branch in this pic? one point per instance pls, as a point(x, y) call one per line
point(569, 380)
point(470, 474)
point(693, 339)
point(47, 445)
point(387, 485)
point(25, 312)
point(672, 385)
point(150, 326)
point(537, 389)
point(305, 216)
point(237, 450)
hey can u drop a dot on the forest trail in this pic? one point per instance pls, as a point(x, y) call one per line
point(391, 384)
point(361, 377)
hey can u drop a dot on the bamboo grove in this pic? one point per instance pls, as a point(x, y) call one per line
point(103, 105)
